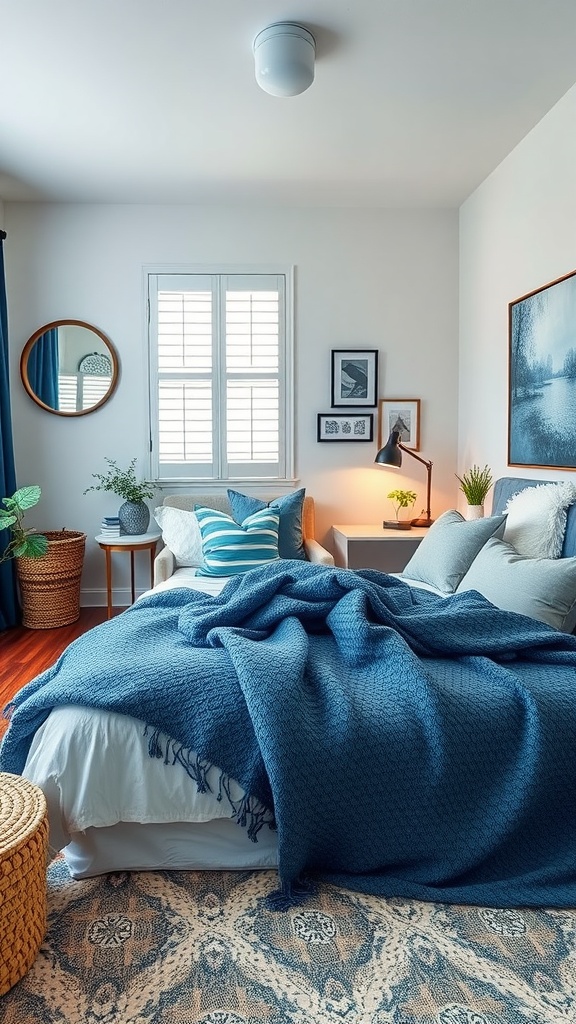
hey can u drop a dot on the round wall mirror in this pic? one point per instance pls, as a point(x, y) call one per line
point(69, 368)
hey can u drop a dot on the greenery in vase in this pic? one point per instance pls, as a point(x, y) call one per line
point(122, 482)
point(475, 484)
point(23, 542)
point(402, 499)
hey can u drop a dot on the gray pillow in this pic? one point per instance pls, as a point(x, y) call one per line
point(447, 551)
point(543, 588)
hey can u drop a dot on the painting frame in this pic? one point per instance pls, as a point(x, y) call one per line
point(542, 376)
point(346, 427)
point(361, 389)
point(408, 410)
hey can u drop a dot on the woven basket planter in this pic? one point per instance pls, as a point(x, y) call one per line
point(23, 857)
point(50, 585)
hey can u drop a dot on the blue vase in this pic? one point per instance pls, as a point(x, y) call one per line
point(134, 517)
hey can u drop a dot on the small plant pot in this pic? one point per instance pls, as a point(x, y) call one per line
point(474, 511)
point(134, 517)
point(397, 524)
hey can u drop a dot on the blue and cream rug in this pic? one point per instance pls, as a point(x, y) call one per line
point(201, 948)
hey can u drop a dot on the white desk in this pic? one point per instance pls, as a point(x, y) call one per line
point(373, 547)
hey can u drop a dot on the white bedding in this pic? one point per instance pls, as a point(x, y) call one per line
point(186, 577)
point(95, 770)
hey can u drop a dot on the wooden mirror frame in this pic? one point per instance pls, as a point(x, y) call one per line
point(63, 323)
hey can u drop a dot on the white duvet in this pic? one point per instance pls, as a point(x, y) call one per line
point(95, 769)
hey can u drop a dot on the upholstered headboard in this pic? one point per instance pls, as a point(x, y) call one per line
point(506, 486)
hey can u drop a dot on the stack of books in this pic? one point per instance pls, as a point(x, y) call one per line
point(110, 526)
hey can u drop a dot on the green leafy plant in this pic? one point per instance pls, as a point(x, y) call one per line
point(122, 482)
point(475, 484)
point(23, 541)
point(402, 499)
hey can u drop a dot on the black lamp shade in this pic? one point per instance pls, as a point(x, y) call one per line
point(390, 454)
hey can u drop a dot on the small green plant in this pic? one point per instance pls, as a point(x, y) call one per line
point(402, 499)
point(475, 484)
point(122, 482)
point(23, 541)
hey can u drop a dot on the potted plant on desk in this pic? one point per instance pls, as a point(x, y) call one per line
point(401, 501)
point(134, 514)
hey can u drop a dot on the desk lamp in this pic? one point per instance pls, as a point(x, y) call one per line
point(391, 456)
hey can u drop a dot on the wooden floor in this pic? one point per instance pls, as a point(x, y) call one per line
point(24, 653)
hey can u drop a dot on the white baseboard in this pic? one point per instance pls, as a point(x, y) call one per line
point(96, 597)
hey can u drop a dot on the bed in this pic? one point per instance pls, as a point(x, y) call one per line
point(403, 735)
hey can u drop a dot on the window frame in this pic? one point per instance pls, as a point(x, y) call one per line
point(151, 274)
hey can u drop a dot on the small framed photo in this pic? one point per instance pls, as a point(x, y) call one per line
point(403, 415)
point(354, 377)
point(338, 426)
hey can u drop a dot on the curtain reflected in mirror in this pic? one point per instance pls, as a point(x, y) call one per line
point(69, 368)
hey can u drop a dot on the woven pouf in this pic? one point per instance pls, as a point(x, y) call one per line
point(23, 854)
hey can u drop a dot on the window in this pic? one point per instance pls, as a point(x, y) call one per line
point(221, 376)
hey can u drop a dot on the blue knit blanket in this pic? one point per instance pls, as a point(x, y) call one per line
point(407, 745)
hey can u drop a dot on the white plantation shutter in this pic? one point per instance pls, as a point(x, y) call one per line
point(79, 391)
point(68, 392)
point(221, 376)
point(93, 388)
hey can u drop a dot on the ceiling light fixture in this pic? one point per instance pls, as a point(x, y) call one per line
point(284, 56)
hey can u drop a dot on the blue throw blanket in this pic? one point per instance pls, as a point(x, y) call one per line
point(408, 745)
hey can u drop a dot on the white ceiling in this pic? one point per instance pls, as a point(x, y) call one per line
point(155, 101)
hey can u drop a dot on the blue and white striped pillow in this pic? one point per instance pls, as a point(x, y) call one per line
point(230, 548)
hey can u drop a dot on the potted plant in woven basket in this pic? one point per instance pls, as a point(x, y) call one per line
point(48, 565)
point(134, 514)
point(475, 484)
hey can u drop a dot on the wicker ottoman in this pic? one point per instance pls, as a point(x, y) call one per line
point(23, 853)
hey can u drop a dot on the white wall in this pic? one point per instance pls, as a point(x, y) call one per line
point(517, 233)
point(364, 278)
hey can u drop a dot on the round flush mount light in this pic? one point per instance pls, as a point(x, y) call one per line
point(284, 56)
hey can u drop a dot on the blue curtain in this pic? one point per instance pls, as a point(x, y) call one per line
point(9, 606)
point(43, 368)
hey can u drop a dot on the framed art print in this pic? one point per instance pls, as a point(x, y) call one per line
point(403, 415)
point(542, 377)
point(354, 378)
point(337, 426)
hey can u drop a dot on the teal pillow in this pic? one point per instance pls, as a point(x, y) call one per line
point(231, 548)
point(289, 506)
point(543, 588)
point(447, 551)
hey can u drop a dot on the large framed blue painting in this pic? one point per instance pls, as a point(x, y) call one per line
point(542, 377)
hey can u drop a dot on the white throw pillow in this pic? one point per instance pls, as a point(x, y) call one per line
point(536, 519)
point(543, 588)
point(180, 533)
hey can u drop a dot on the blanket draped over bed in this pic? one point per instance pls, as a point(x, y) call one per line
point(408, 745)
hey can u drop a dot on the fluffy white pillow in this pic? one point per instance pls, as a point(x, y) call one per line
point(536, 519)
point(180, 533)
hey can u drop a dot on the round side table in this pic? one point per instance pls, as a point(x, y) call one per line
point(131, 543)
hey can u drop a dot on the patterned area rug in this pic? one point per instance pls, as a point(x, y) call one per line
point(201, 948)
